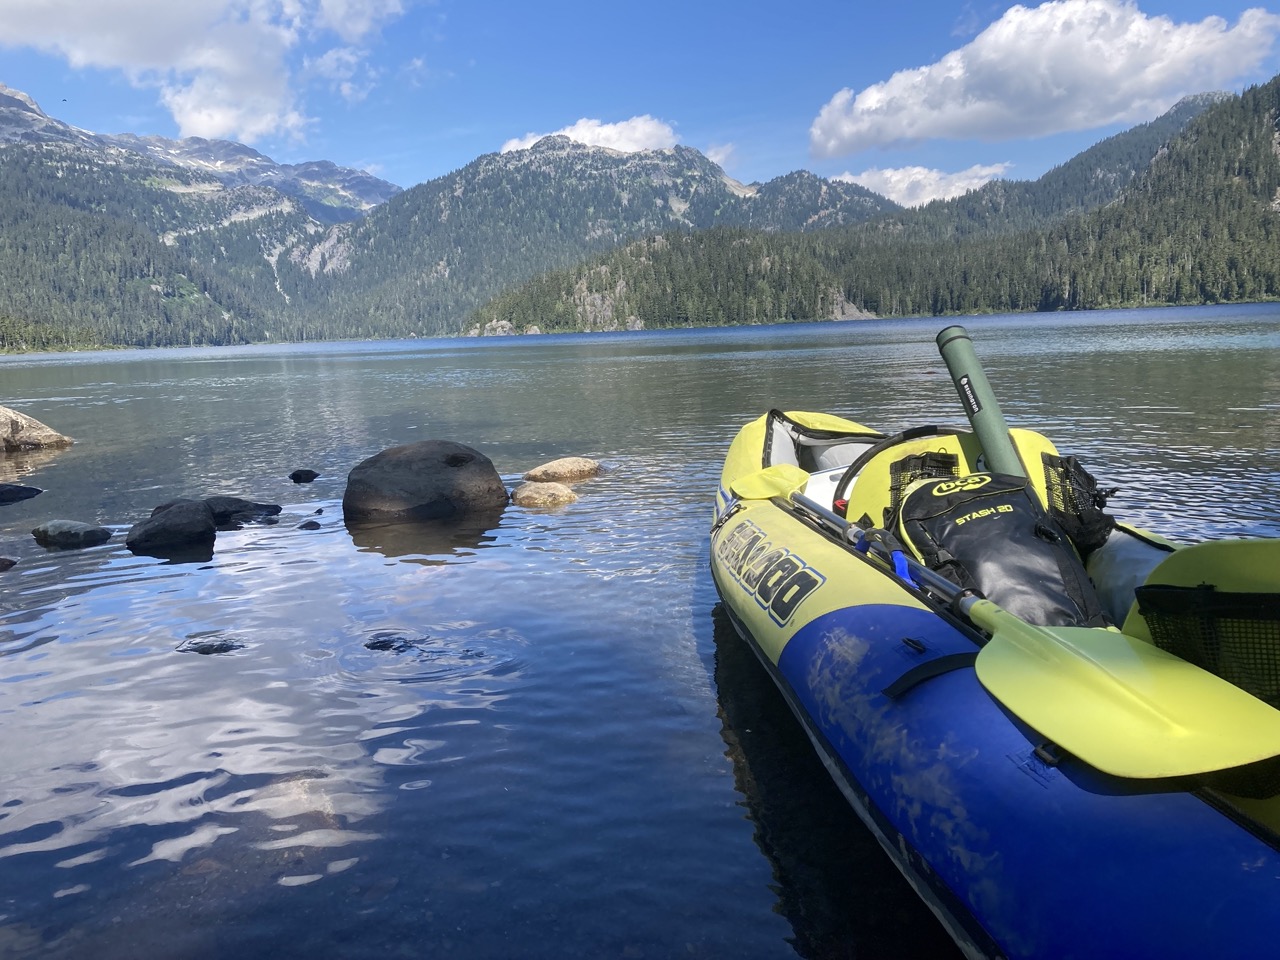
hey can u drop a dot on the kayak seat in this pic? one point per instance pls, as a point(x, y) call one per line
point(1217, 605)
point(814, 442)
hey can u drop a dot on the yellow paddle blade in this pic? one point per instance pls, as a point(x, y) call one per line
point(779, 480)
point(1119, 704)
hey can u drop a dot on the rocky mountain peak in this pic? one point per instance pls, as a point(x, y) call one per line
point(329, 193)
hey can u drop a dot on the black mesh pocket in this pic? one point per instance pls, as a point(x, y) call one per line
point(1233, 635)
point(1076, 503)
point(924, 466)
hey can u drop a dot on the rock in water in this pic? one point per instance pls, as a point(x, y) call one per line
point(70, 533)
point(303, 476)
point(18, 432)
point(542, 494)
point(564, 470)
point(235, 510)
point(180, 523)
point(14, 492)
point(428, 480)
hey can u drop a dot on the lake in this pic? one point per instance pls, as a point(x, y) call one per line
point(539, 740)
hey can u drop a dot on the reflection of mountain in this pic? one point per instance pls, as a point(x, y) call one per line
point(841, 893)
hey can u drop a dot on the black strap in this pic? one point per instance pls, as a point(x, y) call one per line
point(927, 671)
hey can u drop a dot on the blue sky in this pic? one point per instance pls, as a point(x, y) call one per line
point(915, 99)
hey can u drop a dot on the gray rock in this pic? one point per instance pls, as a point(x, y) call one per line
point(70, 533)
point(303, 476)
point(7, 564)
point(428, 480)
point(179, 523)
point(14, 492)
point(533, 494)
point(564, 470)
point(18, 432)
point(234, 510)
point(309, 525)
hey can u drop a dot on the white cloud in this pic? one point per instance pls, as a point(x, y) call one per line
point(347, 71)
point(1065, 65)
point(916, 186)
point(638, 133)
point(721, 154)
point(223, 68)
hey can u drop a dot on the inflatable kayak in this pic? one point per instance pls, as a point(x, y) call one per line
point(1063, 729)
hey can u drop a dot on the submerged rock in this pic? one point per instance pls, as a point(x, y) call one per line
point(427, 480)
point(535, 494)
point(394, 642)
point(18, 432)
point(209, 644)
point(15, 492)
point(70, 533)
point(564, 470)
point(7, 564)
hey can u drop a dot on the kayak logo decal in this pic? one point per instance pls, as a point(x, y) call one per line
point(975, 481)
point(775, 577)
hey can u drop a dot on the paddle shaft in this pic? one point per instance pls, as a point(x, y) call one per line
point(921, 574)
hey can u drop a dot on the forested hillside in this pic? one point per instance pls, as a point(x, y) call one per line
point(1199, 225)
point(110, 244)
point(82, 259)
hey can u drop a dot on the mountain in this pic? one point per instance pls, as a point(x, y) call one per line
point(1193, 219)
point(419, 263)
point(326, 191)
point(144, 241)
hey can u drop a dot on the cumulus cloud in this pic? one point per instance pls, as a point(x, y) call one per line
point(1064, 65)
point(721, 154)
point(347, 72)
point(223, 68)
point(916, 186)
point(638, 133)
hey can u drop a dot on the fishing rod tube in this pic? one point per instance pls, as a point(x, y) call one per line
point(979, 402)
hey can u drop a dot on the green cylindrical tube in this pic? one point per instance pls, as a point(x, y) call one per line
point(979, 402)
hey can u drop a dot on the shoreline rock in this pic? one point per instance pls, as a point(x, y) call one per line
point(19, 433)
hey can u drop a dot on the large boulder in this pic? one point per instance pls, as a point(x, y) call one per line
point(428, 480)
point(177, 525)
point(19, 433)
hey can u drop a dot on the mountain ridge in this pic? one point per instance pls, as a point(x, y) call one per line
point(328, 192)
point(118, 244)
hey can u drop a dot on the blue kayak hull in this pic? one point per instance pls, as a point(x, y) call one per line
point(1021, 853)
